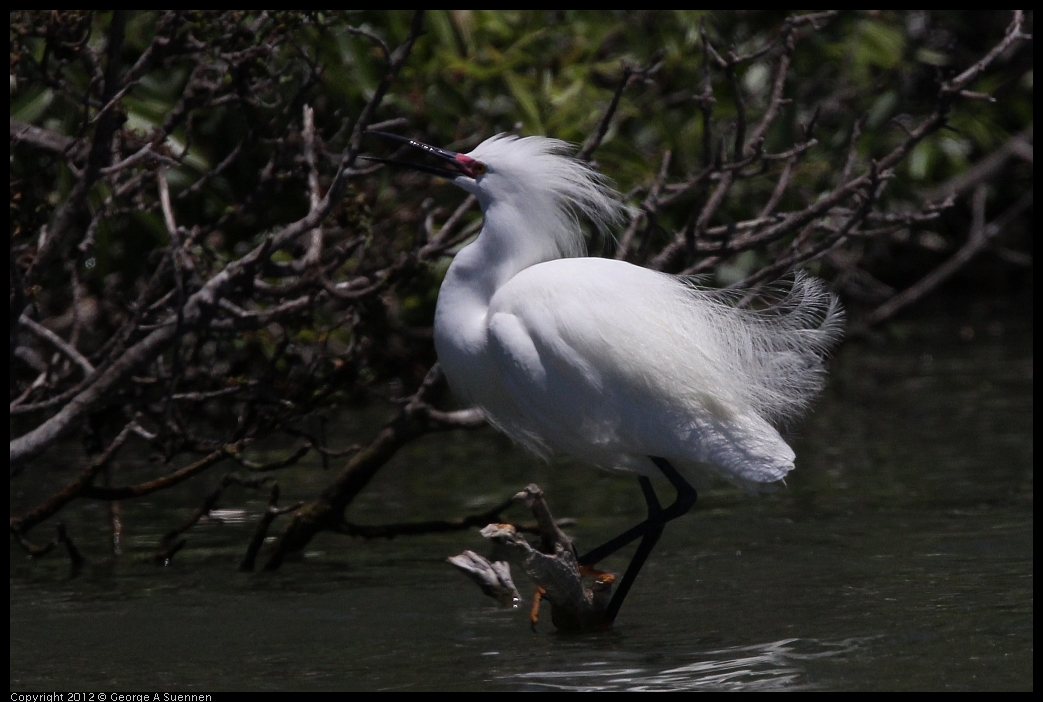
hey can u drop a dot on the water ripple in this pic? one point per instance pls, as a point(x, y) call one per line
point(777, 665)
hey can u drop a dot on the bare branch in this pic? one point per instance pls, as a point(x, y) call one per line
point(980, 236)
point(270, 514)
point(1013, 35)
point(170, 544)
point(450, 225)
point(598, 136)
point(169, 480)
point(311, 258)
point(775, 101)
point(21, 525)
point(648, 207)
point(380, 43)
point(41, 138)
point(287, 462)
point(780, 187)
point(1018, 146)
point(48, 335)
point(168, 211)
point(98, 157)
point(326, 512)
point(142, 154)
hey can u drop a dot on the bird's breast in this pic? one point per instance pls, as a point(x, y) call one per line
point(461, 341)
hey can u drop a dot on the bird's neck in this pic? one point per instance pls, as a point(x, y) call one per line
point(508, 244)
point(511, 240)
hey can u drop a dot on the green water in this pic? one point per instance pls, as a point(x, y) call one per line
point(899, 557)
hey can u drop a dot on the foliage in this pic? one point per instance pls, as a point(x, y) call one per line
point(200, 259)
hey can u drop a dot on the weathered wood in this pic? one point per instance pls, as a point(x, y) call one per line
point(553, 568)
point(494, 578)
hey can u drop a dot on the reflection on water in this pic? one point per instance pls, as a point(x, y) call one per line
point(771, 666)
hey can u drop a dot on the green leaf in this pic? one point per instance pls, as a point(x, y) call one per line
point(526, 101)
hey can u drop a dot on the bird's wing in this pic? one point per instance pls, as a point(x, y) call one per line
point(592, 367)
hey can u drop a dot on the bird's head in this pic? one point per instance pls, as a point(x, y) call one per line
point(534, 176)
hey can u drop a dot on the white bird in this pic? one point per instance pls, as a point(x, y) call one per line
point(625, 368)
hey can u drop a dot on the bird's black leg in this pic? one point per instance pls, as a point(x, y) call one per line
point(609, 547)
point(649, 530)
point(686, 497)
point(651, 500)
point(686, 494)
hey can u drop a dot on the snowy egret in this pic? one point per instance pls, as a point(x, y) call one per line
point(623, 367)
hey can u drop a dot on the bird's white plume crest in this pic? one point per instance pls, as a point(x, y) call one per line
point(555, 187)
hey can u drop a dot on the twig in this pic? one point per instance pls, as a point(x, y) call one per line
point(450, 225)
point(168, 210)
point(980, 235)
point(775, 101)
point(780, 188)
point(46, 334)
point(1018, 146)
point(170, 545)
point(217, 170)
point(169, 480)
point(598, 136)
point(314, 253)
point(145, 152)
point(22, 525)
point(75, 557)
point(40, 138)
point(373, 38)
point(739, 145)
point(1013, 35)
point(197, 396)
point(290, 460)
point(706, 99)
point(326, 512)
point(648, 207)
point(261, 532)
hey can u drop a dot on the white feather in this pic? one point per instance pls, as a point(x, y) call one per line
point(607, 361)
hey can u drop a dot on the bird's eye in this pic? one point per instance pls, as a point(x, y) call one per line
point(479, 168)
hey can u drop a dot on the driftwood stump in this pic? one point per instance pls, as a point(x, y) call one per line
point(551, 564)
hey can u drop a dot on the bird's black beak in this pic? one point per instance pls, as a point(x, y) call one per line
point(458, 164)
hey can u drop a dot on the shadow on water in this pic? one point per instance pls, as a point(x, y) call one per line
point(900, 557)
